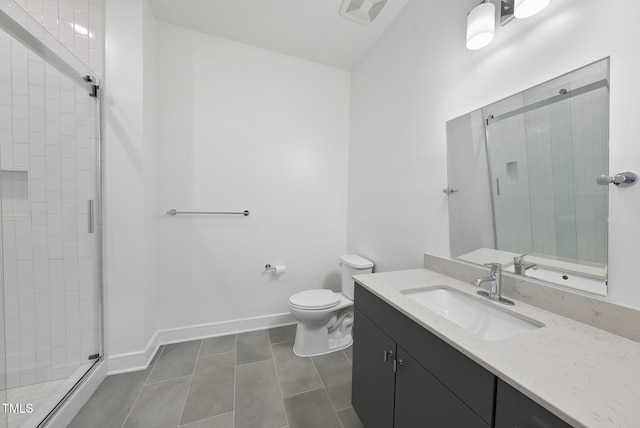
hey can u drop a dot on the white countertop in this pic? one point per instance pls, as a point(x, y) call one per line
point(586, 376)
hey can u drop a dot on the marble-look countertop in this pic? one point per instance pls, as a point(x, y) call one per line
point(586, 376)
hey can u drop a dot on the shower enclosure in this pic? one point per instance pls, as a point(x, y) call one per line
point(50, 283)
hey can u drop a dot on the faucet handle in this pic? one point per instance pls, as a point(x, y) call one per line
point(495, 267)
point(519, 259)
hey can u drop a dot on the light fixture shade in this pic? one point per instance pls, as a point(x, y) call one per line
point(481, 25)
point(527, 8)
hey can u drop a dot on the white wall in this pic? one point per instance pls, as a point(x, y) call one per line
point(130, 236)
point(150, 177)
point(245, 128)
point(420, 75)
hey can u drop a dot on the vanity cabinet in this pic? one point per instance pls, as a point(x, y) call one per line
point(404, 376)
point(515, 410)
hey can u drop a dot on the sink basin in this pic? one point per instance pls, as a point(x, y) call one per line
point(476, 316)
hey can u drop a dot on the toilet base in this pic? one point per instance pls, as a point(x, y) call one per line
point(339, 344)
point(333, 345)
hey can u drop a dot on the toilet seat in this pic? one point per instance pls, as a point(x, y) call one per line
point(314, 299)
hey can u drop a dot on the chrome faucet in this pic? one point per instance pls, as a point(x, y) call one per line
point(520, 267)
point(495, 277)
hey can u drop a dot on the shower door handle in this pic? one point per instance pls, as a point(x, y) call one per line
point(90, 215)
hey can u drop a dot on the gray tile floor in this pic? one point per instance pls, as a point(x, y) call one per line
point(239, 381)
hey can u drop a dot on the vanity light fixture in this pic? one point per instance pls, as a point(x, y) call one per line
point(527, 8)
point(481, 25)
point(481, 19)
point(510, 9)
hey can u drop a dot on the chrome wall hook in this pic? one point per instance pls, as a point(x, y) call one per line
point(623, 179)
point(449, 191)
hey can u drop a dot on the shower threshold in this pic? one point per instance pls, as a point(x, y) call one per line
point(42, 397)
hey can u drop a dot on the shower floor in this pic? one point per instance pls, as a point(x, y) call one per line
point(42, 396)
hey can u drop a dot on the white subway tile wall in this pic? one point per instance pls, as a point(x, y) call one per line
point(47, 141)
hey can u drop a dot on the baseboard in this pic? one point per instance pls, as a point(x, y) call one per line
point(183, 334)
point(134, 361)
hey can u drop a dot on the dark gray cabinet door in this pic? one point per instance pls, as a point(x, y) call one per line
point(373, 377)
point(515, 410)
point(422, 401)
point(467, 380)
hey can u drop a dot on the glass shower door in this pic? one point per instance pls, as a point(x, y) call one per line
point(51, 259)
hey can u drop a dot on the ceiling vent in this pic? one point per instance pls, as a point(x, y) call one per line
point(362, 11)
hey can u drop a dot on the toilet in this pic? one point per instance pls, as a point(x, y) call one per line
point(325, 318)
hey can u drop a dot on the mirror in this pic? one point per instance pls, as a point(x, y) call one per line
point(522, 181)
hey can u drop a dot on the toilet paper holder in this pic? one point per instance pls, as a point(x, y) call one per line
point(274, 269)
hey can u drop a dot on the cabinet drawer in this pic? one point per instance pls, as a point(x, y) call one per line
point(468, 381)
point(516, 410)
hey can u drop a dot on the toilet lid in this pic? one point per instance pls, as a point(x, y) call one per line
point(314, 299)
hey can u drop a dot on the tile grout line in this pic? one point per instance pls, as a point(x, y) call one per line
point(345, 354)
point(351, 364)
point(217, 355)
point(278, 377)
point(141, 388)
point(193, 375)
point(327, 392)
point(167, 380)
point(339, 420)
point(304, 392)
point(319, 377)
point(253, 362)
point(235, 377)
point(275, 369)
point(343, 409)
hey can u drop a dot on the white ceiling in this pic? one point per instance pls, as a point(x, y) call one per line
point(308, 29)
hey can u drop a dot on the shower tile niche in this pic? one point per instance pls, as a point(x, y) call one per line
point(15, 194)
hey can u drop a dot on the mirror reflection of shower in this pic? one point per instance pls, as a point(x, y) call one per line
point(544, 158)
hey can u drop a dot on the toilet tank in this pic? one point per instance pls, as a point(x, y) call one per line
point(353, 264)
